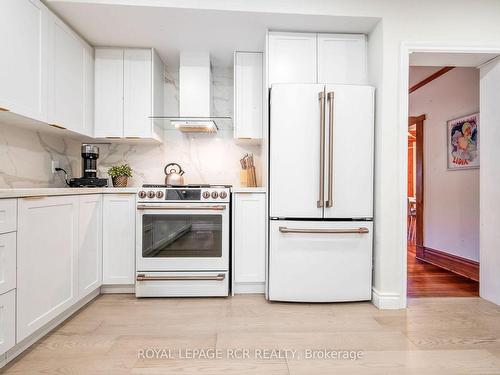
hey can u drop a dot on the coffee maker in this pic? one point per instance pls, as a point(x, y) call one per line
point(90, 154)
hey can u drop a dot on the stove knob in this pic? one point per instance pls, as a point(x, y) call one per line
point(206, 194)
point(159, 194)
point(142, 194)
point(151, 194)
point(215, 194)
point(223, 194)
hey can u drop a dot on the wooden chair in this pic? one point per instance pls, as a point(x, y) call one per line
point(412, 220)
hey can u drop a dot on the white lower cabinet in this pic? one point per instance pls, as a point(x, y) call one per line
point(7, 262)
point(7, 321)
point(249, 242)
point(320, 261)
point(90, 244)
point(47, 260)
point(118, 239)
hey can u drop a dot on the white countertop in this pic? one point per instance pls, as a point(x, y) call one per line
point(36, 192)
point(238, 189)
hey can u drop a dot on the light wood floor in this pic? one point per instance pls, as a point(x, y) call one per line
point(433, 336)
point(428, 280)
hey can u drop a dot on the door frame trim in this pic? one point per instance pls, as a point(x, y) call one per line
point(408, 47)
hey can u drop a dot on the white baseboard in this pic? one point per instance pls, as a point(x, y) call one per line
point(387, 301)
point(249, 288)
point(47, 328)
point(118, 289)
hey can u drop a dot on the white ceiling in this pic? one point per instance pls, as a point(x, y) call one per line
point(449, 59)
point(170, 30)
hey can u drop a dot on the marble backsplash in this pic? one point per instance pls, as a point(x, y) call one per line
point(25, 155)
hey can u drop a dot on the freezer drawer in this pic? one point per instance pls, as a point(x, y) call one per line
point(320, 261)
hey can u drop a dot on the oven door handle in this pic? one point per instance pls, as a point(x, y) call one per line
point(194, 208)
point(143, 277)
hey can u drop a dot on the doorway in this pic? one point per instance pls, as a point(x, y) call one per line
point(420, 258)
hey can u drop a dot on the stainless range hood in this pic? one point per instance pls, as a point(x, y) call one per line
point(195, 94)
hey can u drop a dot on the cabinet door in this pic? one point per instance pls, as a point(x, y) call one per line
point(351, 166)
point(118, 239)
point(7, 262)
point(137, 91)
point(23, 66)
point(292, 58)
point(90, 244)
point(108, 104)
point(8, 215)
point(67, 86)
point(342, 59)
point(89, 92)
point(7, 321)
point(320, 261)
point(248, 93)
point(249, 237)
point(295, 147)
point(47, 252)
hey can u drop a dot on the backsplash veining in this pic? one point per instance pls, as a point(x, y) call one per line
point(206, 158)
point(26, 155)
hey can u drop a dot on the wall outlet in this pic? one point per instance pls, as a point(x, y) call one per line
point(55, 164)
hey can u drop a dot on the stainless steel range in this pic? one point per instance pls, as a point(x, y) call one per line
point(182, 241)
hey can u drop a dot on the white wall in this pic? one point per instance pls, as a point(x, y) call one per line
point(451, 198)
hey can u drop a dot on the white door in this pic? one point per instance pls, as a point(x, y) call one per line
point(489, 132)
point(89, 92)
point(249, 237)
point(7, 321)
point(90, 244)
point(320, 261)
point(248, 91)
point(349, 158)
point(47, 260)
point(23, 65)
point(295, 148)
point(342, 59)
point(67, 85)
point(108, 104)
point(137, 91)
point(292, 58)
point(118, 252)
point(7, 261)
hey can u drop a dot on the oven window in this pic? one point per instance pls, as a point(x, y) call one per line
point(181, 236)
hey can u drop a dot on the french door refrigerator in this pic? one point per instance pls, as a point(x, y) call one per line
point(320, 192)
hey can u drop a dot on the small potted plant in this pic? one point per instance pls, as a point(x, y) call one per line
point(119, 174)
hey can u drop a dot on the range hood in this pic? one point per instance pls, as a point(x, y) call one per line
point(195, 94)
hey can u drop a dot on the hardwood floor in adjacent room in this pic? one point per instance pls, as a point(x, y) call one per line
point(433, 336)
point(427, 280)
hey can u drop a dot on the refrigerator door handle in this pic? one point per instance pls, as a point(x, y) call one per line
point(330, 97)
point(321, 97)
point(361, 230)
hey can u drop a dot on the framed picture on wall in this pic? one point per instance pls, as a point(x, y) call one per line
point(463, 142)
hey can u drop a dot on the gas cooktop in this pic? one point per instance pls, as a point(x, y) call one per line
point(193, 186)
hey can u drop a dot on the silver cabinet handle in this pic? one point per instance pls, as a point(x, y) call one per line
point(361, 230)
point(170, 207)
point(143, 277)
point(330, 97)
point(321, 97)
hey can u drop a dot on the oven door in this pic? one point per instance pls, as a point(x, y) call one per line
point(182, 237)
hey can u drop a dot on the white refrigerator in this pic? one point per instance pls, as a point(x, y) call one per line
point(320, 192)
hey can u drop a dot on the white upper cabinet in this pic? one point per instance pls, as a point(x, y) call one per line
point(23, 65)
point(292, 57)
point(317, 58)
point(108, 93)
point(70, 74)
point(128, 91)
point(248, 95)
point(342, 59)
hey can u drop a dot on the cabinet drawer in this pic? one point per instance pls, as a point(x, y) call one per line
point(7, 262)
point(8, 215)
point(7, 321)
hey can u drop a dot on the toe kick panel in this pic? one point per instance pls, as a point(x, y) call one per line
point(320, 261)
